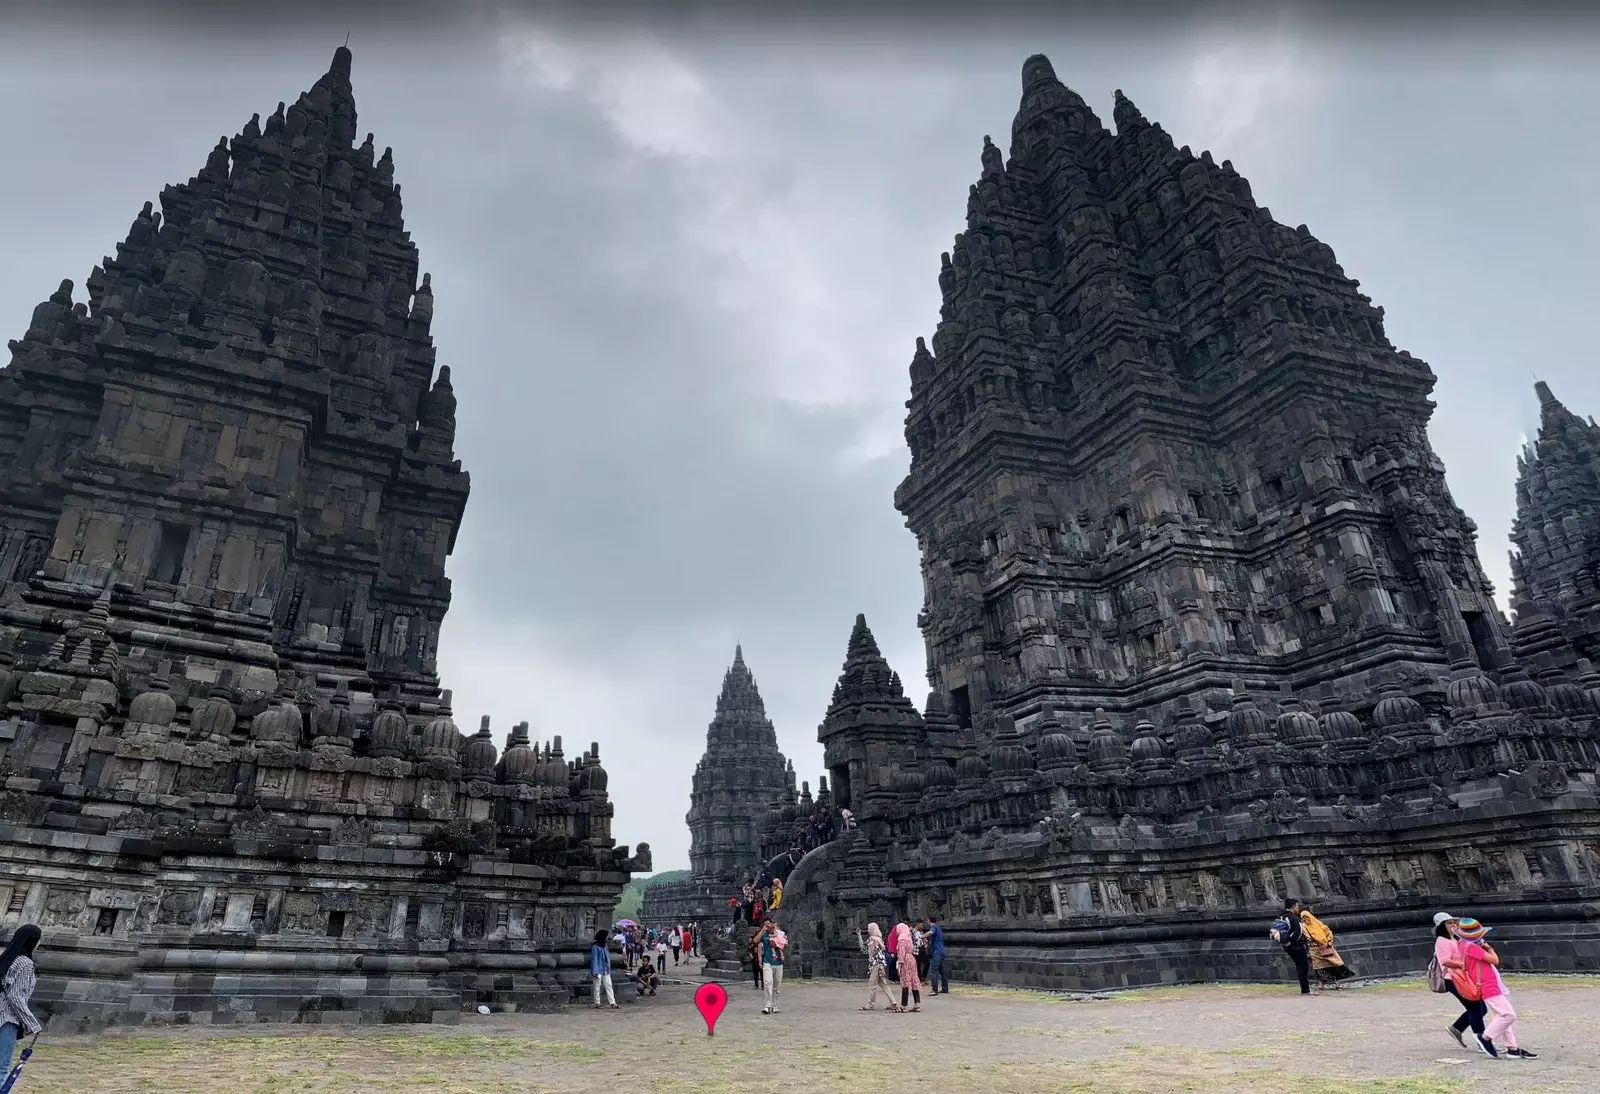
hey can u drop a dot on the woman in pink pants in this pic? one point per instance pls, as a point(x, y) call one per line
point(1483, 969)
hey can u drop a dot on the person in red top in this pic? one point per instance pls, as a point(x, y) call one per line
point(1482, 968)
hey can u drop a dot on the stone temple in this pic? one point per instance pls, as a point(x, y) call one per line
point(1204, 626)
point(735, 783)
point(233, 789)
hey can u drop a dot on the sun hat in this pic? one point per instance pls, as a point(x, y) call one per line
point(1471, 930)
point(1441, 918)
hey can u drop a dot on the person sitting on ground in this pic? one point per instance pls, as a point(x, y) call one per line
point(647, 979)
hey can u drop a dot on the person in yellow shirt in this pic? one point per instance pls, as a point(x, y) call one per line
point(1325, 960)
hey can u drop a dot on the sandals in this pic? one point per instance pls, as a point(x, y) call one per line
point(916, 1009)
point(869, 1006)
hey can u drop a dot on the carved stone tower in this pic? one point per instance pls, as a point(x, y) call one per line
point(741, 773)
point(1161, 441)
point(1556, 565)
point(243, 431)
point(871, 731)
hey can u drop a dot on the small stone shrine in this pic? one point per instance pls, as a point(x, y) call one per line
point(1205, 628)
point(232, 787)
point(741, 773)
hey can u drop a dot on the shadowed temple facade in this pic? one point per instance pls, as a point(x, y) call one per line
point(1204, 626)
point(233, 789)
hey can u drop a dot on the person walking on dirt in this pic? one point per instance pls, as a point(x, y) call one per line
point(1288, 932)
point(772, 945)
point(675, 940)
point(17, 982)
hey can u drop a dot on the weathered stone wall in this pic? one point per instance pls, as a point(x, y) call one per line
point(1108, 908)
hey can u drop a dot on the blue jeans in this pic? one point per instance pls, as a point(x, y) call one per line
point(939, 972)
point(8, 1047)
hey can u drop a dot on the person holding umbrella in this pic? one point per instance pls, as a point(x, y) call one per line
point(17, 982)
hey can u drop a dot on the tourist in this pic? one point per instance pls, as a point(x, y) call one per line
point(661, 953)
point(924, 957)
point(646, 979)
point(1288, 933)
point(1446, 954)
point(906, 962)
point(938, 963)
point(1480, 975)
point(688, 941)
point(17, 981)
point(1325, 960)
point(772, 945)
point(877, 967)
point(675, 940)
point(752, 949)
point(777, 894)
point(892, 954)
point(849, 819)
point(600, 969)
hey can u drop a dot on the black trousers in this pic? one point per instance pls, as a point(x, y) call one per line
point(755, 968)
point(1472, 1014)
point(1302, 966)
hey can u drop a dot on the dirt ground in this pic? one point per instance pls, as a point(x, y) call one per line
point(1386, 1038)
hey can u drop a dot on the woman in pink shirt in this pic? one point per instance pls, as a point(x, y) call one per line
point(1482, 967)
point(1446, 951)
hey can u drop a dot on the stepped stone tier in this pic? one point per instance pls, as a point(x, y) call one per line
point(1556, 565)
point(233, 790)
point(1204, 627)
point(735, 782)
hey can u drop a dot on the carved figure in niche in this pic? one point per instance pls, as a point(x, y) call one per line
point(178, 907)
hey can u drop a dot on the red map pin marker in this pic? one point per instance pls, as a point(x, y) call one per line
point(709, 1001)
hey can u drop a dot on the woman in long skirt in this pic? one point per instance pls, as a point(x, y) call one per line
point(1325, 960)
point(906, 962)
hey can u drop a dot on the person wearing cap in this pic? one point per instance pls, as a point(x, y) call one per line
point(1446, 951)
point(1482, 969)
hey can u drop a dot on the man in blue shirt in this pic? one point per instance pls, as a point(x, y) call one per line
point(939, 965)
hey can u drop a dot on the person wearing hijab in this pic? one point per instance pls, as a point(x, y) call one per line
point(17, 981)
point(906, 962)
point(877, 967)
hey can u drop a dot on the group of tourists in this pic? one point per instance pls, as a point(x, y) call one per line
point(910, 956)
point(756, 898)
point(1464, 965)
point(647, 946)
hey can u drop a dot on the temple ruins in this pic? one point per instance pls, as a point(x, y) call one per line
point(233, 788)
point(1204, 627)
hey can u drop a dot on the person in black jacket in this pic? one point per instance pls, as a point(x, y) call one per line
point(1292, 937)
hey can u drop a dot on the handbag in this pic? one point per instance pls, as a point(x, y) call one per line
point(1438, 977)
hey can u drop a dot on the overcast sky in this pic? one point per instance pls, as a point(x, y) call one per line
point(679, 273)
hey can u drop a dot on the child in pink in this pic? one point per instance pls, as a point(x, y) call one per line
point(1483, 969)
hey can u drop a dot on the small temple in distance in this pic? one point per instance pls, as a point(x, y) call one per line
point(741, 777)
point(1205, 628)
point(231, 787)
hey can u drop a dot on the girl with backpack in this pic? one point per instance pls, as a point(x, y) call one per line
point(1481, 972)
point(1446, 959)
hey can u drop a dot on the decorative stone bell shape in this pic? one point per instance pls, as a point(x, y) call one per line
point(151, 713)
point(1296, 726)
point(521, 762)
point(281, 723)
point(214, 717)
point(1108, 755)
point(335, 725)
point(479, 754)
point(592, 778)
point(441, 740)
point(390, 733)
